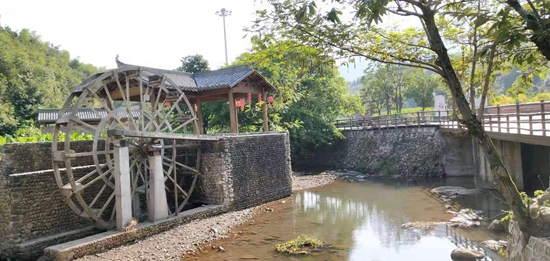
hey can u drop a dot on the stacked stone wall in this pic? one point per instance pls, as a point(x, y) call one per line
point(238, 171)
point(407, 152)
point(246, 170)
point(262, 176)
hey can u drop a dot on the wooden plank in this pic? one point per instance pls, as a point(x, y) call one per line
point(160, 135)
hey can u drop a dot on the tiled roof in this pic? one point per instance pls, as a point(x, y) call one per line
point(221, 78)
point(203, 81)
point(46, 116)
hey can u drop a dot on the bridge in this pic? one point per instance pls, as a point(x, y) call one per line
point(526, 123)
point(520, 133)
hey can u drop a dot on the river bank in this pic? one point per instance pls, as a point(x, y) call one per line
point(170, 245)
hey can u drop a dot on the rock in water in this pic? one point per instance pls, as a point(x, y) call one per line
point(497, 226)
point(495, 245)
point(466, 254)
point(453, 192)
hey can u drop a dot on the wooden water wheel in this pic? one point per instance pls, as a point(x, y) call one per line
point(147, 109)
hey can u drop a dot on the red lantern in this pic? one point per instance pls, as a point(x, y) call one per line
point(270, 99)
point(242, 104)
point(259, 97)
point(249, 99)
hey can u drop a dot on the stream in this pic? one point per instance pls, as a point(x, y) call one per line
point(362, 221)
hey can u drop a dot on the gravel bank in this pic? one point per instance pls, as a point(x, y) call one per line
point(301, 181)
point(170, 245)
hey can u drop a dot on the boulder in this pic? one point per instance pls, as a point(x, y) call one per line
point(544, 197)
point(544, 214)
point(497, 226)
point(495, 245)
point(453, 192)
point(466, 254)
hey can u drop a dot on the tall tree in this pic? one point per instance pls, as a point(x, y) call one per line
point(193, 64)
point(421, 88)
point(423, 48)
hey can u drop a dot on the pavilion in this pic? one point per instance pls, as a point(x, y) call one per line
point(231, 84)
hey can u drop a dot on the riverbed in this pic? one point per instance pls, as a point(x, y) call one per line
point(361, 221)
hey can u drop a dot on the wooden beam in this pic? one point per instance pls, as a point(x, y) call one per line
point(199, 114)
point(232, 112)
point(242, 88)
point(215, 92)
point(264, 109)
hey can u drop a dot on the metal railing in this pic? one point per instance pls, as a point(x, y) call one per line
point(536, 122)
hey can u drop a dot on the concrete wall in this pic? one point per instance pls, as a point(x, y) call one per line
point(456, 156)
point(511, 154)
point(536, 166)
point(238, 171)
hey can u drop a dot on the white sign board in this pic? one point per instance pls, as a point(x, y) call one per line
point(440, 103)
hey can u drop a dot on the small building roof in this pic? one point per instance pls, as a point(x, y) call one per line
point(50, 116)
point(203, 81)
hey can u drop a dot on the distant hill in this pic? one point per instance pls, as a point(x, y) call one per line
point(354, 86)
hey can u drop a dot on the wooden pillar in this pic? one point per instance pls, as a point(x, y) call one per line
point(199, 114)
point(264, 109)
point(123, 193)
point(232, 112)
point(236, 120)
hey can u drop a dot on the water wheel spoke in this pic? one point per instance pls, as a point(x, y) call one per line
point(106, 204)
point(178, 186)
point(101, 176)
point(125, 98)
point(91, 173)
point(83, 125)
point(98, 195)
point(180, 165)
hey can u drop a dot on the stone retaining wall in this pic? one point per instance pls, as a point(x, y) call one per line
point(238, 171)
point(241, 179)
point(411, 152)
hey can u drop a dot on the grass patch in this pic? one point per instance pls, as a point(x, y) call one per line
point(301, 245)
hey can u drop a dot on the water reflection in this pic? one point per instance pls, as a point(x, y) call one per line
point(363, 220)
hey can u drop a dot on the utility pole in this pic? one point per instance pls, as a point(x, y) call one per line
point(223, 13)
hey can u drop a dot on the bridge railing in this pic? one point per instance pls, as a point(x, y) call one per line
point(532, 123)
point(415, 119)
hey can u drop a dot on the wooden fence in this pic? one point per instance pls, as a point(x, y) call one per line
point(503, 120)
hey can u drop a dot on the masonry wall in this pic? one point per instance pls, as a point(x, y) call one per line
point(246, 170)
point(31, 205)
point(238, 171)
point(407, 152)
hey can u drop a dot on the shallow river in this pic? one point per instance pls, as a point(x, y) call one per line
point(363, 222)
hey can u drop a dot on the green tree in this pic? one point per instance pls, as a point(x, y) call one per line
point(33, 74)
point(421, 88)
point(534, 26)
point(422, 47)
point(193, 64)
point(311, 95)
